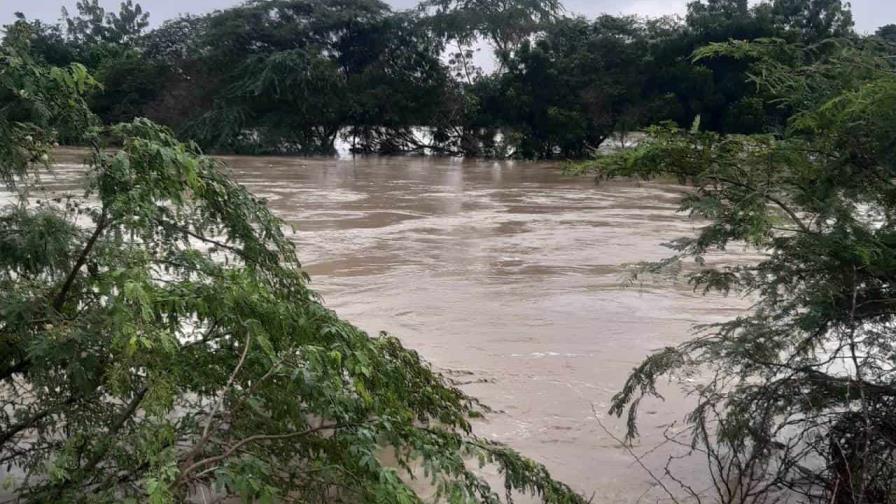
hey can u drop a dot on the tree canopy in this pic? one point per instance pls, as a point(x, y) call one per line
point(292, 76)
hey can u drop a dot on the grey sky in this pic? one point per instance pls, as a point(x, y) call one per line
point(869, 14)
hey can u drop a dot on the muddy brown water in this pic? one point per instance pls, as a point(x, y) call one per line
point(512, 277)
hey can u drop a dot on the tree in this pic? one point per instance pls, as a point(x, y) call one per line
point(289, 75)
point(131, 84)
point(887, 33)
point(717, 13)
point(107, 44)
point(93, 25)
point(566, 92)
point(48, 42)
point(36, 102)
point(717, 90)
point(171, 53)
point(158, 338)
point(796, 395)
point(813, 20)
point(503, 23)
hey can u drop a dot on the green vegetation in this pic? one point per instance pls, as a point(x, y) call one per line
point(795, 400)
point(292, 76)
point(158, 340)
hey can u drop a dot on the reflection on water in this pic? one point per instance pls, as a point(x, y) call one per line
point(511, 276)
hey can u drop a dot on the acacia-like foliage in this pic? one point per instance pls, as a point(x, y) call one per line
point(159, 342)
point(798, 394)
point(32, 98)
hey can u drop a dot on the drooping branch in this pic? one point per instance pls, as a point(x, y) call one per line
point(29, 422)
point(59, 300)
point(185, 474)
point(105, 443)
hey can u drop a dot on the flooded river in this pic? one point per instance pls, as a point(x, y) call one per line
point(512, 278)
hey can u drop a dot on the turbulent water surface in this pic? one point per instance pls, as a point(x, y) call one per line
point(510, 277)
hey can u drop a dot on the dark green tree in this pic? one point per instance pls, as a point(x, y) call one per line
point(93, 25)
point(297, 72)
point(505, 24)
point(565, 92)
point(887, 33)
point(47, 42)
point(106, 43)
point(717, 90)
point(811, 21)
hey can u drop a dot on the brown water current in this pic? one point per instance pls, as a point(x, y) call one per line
point(511, 277)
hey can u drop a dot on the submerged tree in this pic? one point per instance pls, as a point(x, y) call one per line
point(158, 341)
point(567, 91)
point(290, 75)
point(798, 395)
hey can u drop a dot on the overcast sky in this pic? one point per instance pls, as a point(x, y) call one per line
point(869, 14)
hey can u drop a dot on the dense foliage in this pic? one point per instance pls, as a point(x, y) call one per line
point(159, 343)
point(795, 398)
point(296, 75)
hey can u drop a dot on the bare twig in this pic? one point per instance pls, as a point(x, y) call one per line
point(635, 457)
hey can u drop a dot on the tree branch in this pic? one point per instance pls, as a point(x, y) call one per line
point(252, 439)
point(59, 300)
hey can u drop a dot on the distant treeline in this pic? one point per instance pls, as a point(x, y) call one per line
point(291, 76)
